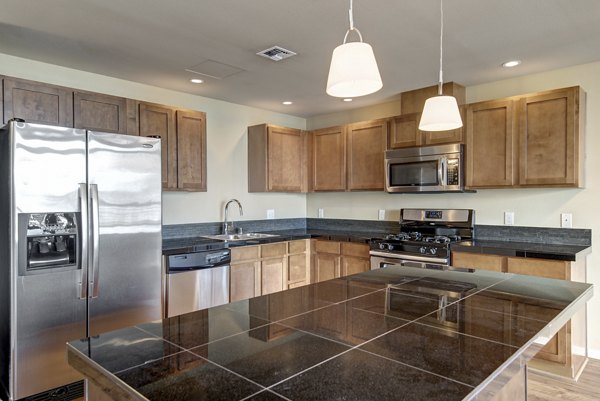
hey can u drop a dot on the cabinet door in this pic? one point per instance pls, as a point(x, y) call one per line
point(191, 150)
point(159, 122)
point(285, 164)
point(541, 268)
point(244, 281)
point(558, 348)
point(39, 103)
point(353, 265)
point(297, 270)
point(366, 147)
point(329, 159)
point(448, 136)
point(273, 275)
point(404, 131)
point(327, 266)
point(490, 151)
point(549, 138)
point(479, 322)
point(98, 112)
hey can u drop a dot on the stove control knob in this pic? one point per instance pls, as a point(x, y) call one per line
point(382, 246)
point(390, 247)
point(433, 251)
point(423, 249)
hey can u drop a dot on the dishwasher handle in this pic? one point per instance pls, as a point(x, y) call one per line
point(198, 261)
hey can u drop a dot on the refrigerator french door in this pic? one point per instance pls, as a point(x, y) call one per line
point(81, 252)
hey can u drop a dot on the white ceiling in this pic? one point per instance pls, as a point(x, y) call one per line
point(154, 41)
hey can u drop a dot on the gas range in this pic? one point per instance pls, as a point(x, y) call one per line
point(424, 237)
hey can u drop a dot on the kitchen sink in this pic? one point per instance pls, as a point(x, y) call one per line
point(239, 237)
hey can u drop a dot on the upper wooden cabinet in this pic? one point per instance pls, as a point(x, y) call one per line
point(183, 142)
point(329, 159)
point(158, 121)
point(404, 133)
point(37, 102)
point(98, 112)
point(276, 159)
point(366, 143)
point(191, 150)
point(491, 151)
point(550, 146)
point(526, 141)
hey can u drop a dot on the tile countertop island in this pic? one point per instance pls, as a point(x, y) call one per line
point(375, 335)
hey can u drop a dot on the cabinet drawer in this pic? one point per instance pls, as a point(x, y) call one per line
point(244, 253)
point(273, 250)
point(355, 249)
point(327, 247)
point(297, 246)
point(479, 261)
point(538, 267)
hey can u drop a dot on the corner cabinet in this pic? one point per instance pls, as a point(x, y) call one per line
point(183, 141)
point(558, 356)
point(276, 159)
point(533, 140)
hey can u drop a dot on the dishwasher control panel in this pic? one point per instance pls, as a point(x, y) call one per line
point(198, 260)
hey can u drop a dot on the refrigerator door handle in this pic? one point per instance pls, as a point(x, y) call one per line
point(84, 233)
point(95, 223)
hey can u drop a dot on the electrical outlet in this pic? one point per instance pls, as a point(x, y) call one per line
point(509, 218)
point(566, 220)
point(381, 215)
point(321, 213)
point(270, 214)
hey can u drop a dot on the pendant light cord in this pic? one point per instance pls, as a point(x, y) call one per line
point(352, 28)
point(441, 82)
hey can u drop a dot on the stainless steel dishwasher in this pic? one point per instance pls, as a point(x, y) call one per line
point(196, 280)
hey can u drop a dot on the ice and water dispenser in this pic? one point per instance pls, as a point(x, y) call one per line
point(48, 241)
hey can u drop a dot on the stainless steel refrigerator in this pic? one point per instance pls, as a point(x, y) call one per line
point(80, 247)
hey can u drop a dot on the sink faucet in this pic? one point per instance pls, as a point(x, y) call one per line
point(226, 229)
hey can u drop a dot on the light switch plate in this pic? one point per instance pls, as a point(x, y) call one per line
point(270, 214)
point(321, 213)
point(509, 218)
point(381, 215)
point(566, 220)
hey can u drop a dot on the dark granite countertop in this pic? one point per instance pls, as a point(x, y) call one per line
point(370, 336)
point(522, 249)
point(195, 244)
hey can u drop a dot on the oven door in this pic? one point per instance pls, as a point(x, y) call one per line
point(416, 174)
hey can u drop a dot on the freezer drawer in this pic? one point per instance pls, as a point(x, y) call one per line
point(193, 290)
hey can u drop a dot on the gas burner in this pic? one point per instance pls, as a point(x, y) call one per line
point(415, 236)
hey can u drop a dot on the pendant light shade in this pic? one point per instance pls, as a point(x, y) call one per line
point(440, 113)
point(353, 71)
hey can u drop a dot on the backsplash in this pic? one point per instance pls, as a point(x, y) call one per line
point(562, 236)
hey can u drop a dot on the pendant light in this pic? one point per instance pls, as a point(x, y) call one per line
point(440, 113)
point(353, 71)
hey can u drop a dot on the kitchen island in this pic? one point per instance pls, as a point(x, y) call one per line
point(395, 333)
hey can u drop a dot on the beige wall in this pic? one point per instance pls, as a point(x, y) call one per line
point(532, 207)
point(226, 140)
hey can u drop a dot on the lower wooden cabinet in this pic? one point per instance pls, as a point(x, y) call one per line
point(557, 355)
point(265, 269)
point(334, 259)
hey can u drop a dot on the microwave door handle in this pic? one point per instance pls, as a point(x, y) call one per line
point(443, 171)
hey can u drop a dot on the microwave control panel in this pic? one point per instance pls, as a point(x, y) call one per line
point(452, 173)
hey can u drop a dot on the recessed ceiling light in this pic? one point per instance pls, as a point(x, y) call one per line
point(347, 99)
point(196, 81)
point(287, 102)
point(512, 63)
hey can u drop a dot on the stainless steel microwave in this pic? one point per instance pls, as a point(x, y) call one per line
point(425, 169)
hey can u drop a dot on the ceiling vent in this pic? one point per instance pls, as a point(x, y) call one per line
point(276, 53)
